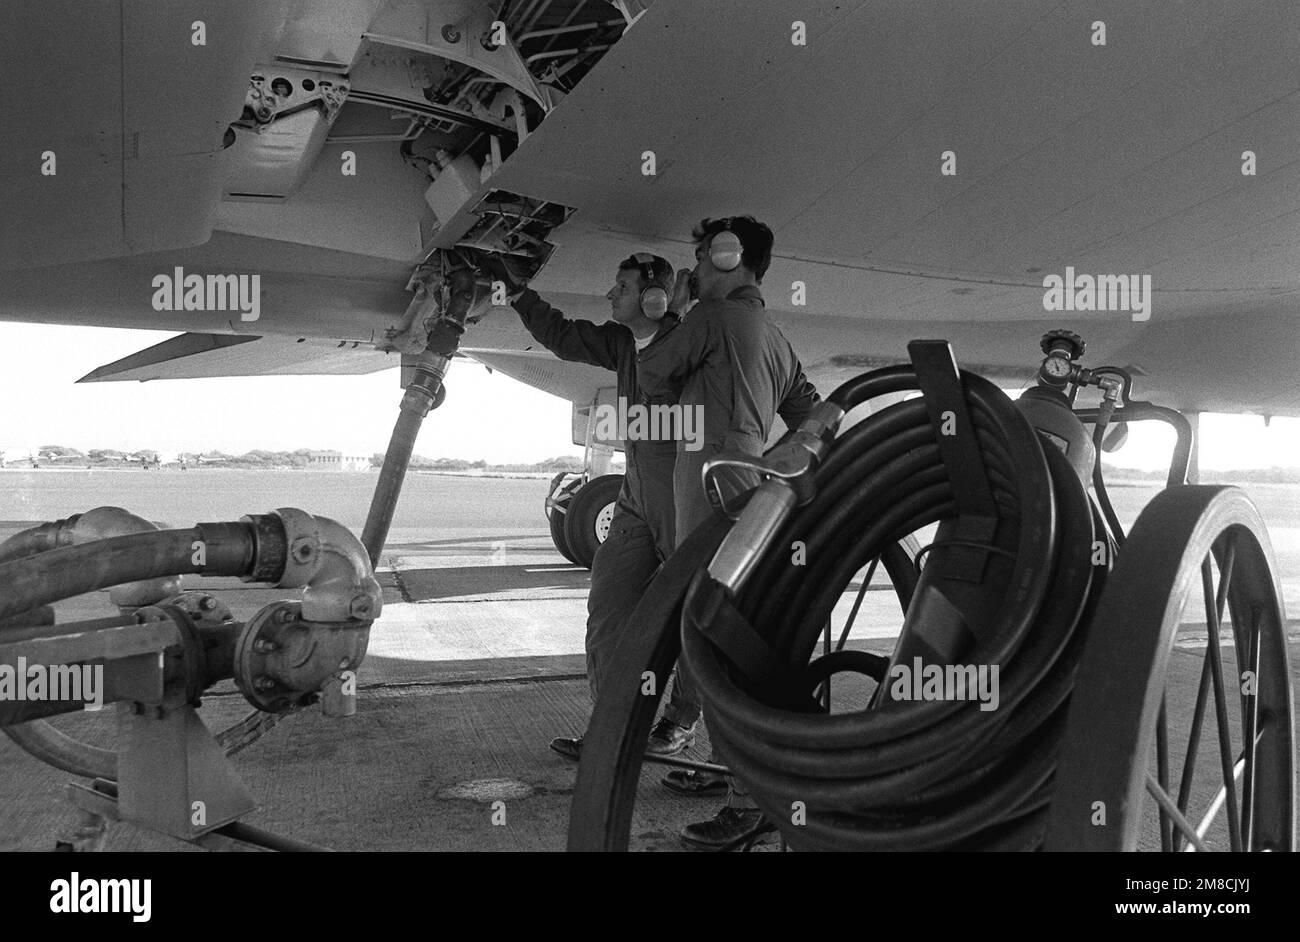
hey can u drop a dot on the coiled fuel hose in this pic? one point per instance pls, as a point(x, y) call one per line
point(906, 774)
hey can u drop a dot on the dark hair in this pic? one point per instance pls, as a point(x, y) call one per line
point(755, 240)
point(656, 272)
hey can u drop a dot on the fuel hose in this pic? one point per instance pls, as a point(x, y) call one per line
point(906, 774)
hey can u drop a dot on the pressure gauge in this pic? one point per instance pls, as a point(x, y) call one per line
point(1057, 369)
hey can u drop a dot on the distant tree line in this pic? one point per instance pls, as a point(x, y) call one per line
point(260, 458)
point(421, 463)
point(1273, 475)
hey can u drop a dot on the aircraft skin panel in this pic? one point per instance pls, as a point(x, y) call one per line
point(136, 126)
point(377, 213)
point(305, 290)
point(1066, 153)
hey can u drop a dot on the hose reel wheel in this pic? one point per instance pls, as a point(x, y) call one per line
point(1190, 627)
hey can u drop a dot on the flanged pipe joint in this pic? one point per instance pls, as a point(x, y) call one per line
point(290, 651)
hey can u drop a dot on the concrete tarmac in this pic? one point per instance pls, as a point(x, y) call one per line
point(475, 664)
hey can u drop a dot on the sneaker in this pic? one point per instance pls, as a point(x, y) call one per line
point(729, 828)
point(568, 746)
point(668, 739)
point(696, 783)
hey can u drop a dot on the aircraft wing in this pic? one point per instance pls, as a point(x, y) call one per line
point(194, 356)
point(1118, 159)
point(576, 382)
point(925, 166)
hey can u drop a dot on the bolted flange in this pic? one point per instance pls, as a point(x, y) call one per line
point(283, 661)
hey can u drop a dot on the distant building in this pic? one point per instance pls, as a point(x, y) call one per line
point(336, 461)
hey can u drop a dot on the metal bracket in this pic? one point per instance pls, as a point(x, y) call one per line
point(940, 381)
point(412, 27)
point(412, 333)
point(172, 775)
point(277, 91)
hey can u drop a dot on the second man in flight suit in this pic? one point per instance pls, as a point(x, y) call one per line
point(729, 360)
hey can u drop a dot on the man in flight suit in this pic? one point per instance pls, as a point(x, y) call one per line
point(641, 532)
point(729, 360)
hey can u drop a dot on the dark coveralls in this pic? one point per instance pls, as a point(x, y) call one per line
point(729, 360)
point(641, 533)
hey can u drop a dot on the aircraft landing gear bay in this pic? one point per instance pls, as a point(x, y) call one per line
point(1141, 695)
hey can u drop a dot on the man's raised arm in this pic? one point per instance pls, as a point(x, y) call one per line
point(579, 341)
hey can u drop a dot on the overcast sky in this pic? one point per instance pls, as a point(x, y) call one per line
point(486, 416)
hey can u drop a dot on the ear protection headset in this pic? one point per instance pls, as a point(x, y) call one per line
point(654, 298)
point(725, 249)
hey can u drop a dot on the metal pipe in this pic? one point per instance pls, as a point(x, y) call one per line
point(343, 586)
point(565, 52)
point(494, 147)
point(1140, 411)
point(533, 13)
point(573, 14)
point(679, 763)
point(568, 29)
